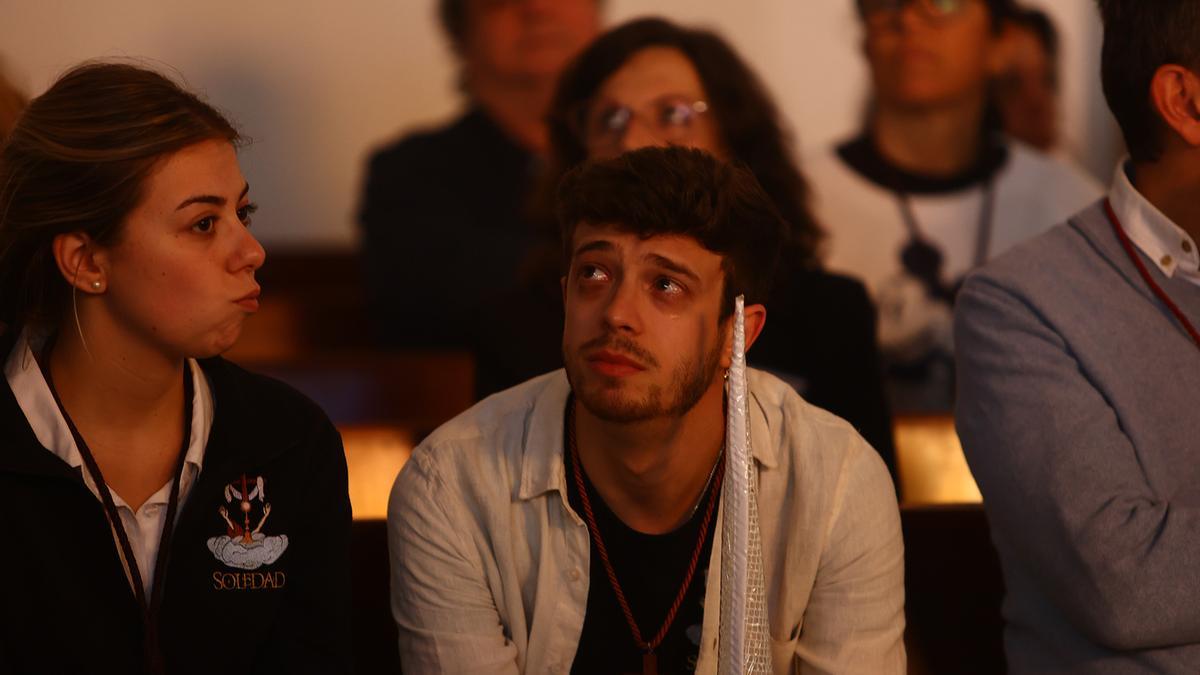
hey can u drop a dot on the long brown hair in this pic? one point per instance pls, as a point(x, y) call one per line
point(76, 161)
point(747, 118)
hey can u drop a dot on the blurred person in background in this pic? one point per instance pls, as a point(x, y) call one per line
point(929, 189)
point(650, 82)
point(447, 205)
point(1026, 89)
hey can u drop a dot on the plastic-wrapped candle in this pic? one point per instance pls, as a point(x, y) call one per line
point(744, 647)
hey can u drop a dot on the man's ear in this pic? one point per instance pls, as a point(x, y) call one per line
point(756, 319)
point(1175, 91)
point(81, 262)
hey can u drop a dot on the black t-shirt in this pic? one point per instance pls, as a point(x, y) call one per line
point(650, 569)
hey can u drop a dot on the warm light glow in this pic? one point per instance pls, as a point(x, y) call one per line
point(374, 455)
point(932, 467)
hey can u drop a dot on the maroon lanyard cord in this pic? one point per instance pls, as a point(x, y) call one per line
point(152, 653)
point(1141, 267)
point(647, 647)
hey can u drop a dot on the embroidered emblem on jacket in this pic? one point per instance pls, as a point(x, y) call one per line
point(243, 547)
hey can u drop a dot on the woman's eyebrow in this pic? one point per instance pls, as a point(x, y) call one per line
point(210, 199)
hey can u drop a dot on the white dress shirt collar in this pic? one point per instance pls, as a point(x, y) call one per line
point(1164, 242)
point(144, 527)
point(33, 396)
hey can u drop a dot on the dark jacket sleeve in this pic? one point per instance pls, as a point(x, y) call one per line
point(315, 621)
point(821, 328)
point(413, 240)
point(857, 385)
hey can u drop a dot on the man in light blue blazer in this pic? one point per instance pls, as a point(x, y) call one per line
point(1079, 385)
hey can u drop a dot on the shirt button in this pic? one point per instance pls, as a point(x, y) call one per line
point(1187, 246)
point(1167, 260)
point(573, 575)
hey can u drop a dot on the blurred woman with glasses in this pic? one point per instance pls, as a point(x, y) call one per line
point(651, 82)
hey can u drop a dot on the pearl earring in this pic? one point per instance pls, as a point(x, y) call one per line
point(96, 285)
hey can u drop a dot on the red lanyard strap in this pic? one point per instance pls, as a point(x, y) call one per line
point(151, 649)
point(1141, 267)
point(649, 662)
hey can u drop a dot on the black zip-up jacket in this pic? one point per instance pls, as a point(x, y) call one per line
point(66, 605)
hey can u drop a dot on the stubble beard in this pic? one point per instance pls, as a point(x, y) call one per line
point(689, 381)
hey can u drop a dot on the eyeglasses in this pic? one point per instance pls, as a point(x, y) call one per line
point(671, 119)
point(933, 9)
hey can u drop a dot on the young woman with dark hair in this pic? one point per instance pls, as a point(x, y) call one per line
point(744, 121)
point(651, 82)
point(166, 511)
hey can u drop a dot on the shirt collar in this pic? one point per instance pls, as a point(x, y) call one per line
point(543, 468)
point(37, 403)
point(1164, 242)
point(863, 156)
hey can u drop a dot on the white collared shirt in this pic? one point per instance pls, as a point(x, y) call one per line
point(1164, 242)
point(144, 527)
point(491, 565)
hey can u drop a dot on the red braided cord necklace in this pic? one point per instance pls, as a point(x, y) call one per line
point(649, 662)
point(1141, 267)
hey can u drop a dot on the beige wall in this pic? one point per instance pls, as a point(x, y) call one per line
point(317, 84)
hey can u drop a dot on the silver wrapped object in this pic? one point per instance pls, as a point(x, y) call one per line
point(744, 646)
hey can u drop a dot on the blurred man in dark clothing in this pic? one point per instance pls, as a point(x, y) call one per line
point(442, 213)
